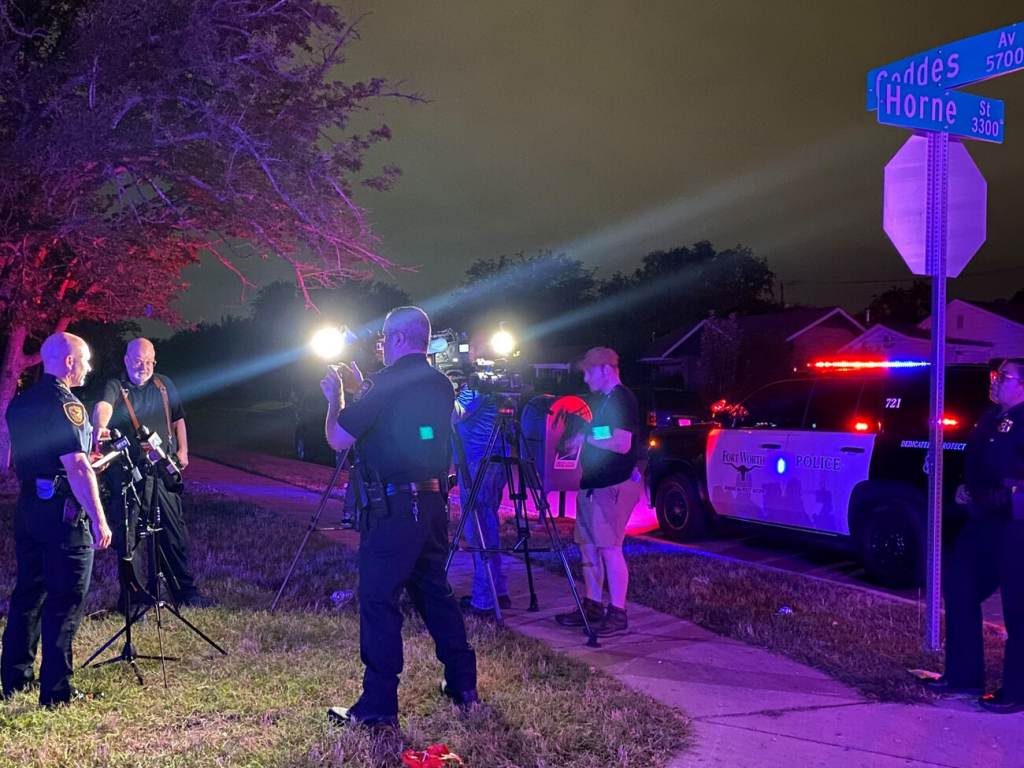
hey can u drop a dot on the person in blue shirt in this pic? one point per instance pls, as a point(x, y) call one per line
point(476, 413)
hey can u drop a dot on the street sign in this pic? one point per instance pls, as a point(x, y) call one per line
point(904, 215)
point(966, 61)
point(933, 109)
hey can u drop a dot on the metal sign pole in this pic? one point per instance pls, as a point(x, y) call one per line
point(936, 238)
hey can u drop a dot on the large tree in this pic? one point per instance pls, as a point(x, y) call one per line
point(136, 135)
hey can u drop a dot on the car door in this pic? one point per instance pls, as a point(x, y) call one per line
point(829, 455)
point(743, 458)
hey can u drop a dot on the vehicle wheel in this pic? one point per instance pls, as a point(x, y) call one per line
point(681, 513)
point(892, 546)
point(300, 448)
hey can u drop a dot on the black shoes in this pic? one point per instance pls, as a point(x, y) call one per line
point(464, 700)
point(573, 618)
point(998, 704)
point(946, 687)
point(354, 716)
point(615, 622)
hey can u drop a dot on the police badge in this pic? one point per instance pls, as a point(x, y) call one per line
point(75, 413)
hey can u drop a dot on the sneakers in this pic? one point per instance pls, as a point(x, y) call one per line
point(573, 618)
point(615, 622)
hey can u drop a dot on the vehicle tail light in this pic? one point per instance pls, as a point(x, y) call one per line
point(859, 425)
point(950, 421)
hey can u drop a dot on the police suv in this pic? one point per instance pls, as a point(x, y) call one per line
point(840, 452)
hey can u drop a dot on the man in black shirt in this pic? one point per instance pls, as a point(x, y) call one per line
point(987, 553)
point(609, 489)
point(56, 524)
point(399, 424)
point(141, 398)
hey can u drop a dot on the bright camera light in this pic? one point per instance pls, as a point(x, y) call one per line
point(328, 343)
point(503, 343)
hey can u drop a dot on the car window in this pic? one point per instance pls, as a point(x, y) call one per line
point(777, 406)
point(835, 404)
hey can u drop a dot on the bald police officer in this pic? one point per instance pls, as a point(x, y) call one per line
point(399, 424)
point(55, 531)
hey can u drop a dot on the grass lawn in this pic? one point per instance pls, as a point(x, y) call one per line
point(264, 704)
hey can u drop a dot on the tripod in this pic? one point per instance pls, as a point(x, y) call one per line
point(130, 583)
point(523, 483)
point(314, 522)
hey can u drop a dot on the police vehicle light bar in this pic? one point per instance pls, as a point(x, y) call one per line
point(863, 365)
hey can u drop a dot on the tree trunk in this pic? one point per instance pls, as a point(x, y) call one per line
point(14, 362)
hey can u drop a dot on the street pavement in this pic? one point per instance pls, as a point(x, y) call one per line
point(749, 708)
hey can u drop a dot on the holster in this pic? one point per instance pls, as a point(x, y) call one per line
point(370, 501)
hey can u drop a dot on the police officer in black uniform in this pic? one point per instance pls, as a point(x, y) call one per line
point(987, 554)
point(399, 423)
point(143, 398)
point(53, 537)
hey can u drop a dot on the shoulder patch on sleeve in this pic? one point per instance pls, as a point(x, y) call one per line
point(364, 390)
point(75, 413)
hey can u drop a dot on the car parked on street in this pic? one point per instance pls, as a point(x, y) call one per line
point(840, 453)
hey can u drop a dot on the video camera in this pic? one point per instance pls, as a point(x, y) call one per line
point(493, 380)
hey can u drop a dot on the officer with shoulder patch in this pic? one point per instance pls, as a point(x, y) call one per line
point(987, 553)
point(399, 424)
point(57, 524)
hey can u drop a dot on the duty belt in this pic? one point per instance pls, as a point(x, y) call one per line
point(423, 486)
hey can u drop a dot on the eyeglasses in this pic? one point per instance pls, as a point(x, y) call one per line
point(1001, 377)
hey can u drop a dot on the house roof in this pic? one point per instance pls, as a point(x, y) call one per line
point(1013, 311)
point(786, 324)
point(911, 332)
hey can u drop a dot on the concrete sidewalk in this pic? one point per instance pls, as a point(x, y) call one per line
point(749, 708)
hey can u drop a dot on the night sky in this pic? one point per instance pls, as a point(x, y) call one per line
point(610, 129)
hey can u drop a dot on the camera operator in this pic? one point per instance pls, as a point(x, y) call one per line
point(476, 411)
point(609, 489)
point(53, 542)
point(142, 399)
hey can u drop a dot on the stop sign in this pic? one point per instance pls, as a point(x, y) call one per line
point(903, 217)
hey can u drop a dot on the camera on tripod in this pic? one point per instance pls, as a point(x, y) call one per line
point(159, 463)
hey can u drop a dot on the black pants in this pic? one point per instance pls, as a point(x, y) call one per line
point(398, 552)
point(172, 539)
point(54, 566)
point(988, 554)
